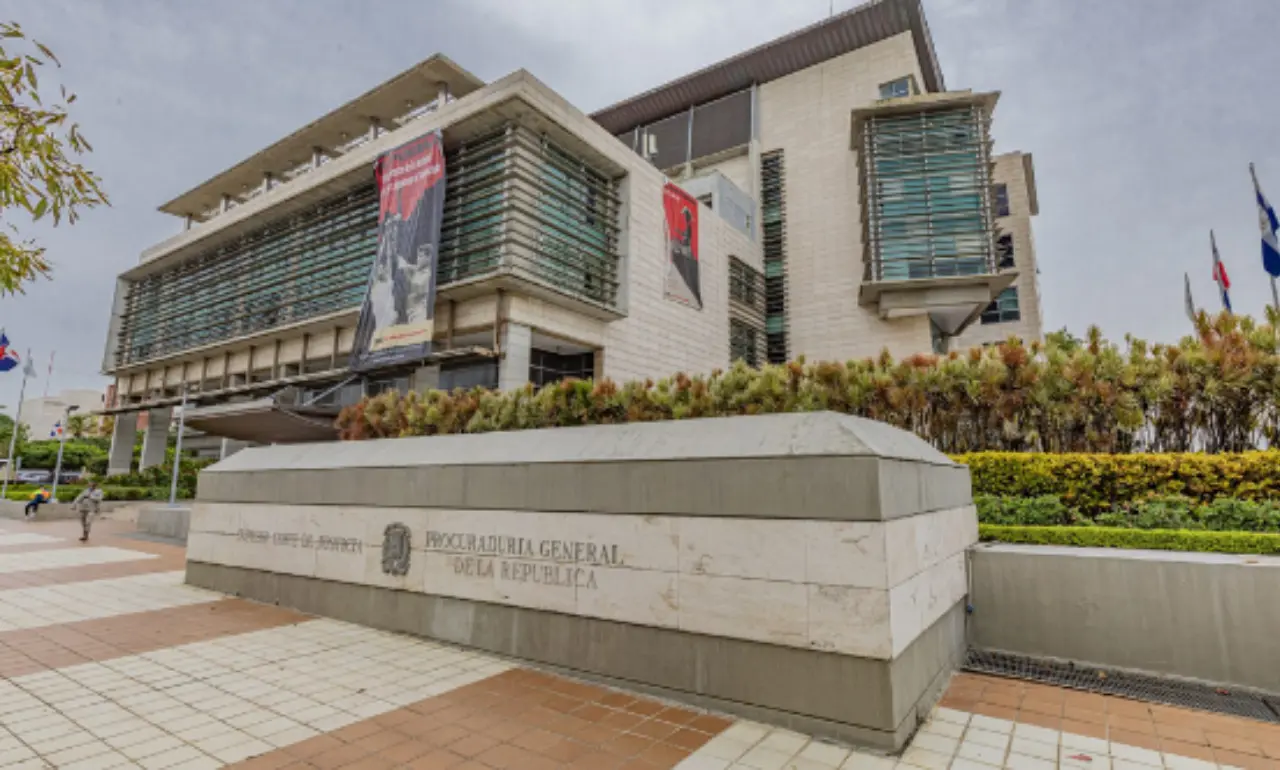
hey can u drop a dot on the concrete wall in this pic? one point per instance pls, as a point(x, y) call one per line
point(805, 568)
point(1011, 170)
point(1209, 617)
point(163, 521)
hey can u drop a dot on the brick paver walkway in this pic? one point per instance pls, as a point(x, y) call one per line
point(107, 660)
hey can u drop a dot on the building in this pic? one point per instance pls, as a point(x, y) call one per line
point(565, 247)
point(1016, 310)
point(40, 415)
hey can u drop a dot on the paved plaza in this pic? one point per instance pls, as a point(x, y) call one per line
point(107, 660)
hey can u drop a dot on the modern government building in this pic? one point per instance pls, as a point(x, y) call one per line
point(846, 203)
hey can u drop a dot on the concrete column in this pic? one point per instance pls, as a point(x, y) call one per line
point(156, 438)
point(120, 458)
point(230, 446)
point(442, 94)
point(426, 378)
point(517, 343)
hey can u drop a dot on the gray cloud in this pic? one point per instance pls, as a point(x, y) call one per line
point(1143, 116)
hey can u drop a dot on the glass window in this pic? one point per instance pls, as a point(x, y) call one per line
point(1004, 309)
point(896, 89)
point(1004, 251)
point(1002, 200)
point(468, 375)
point(927, 207)
point(744, 343)
point(546, 367)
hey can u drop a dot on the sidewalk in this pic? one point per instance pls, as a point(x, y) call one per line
point(107, 660)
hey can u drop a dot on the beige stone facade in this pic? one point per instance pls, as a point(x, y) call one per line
point(1016, 171)
point(806, 115)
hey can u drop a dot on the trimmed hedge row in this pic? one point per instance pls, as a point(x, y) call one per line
point(1093, 484)
point(1225, 514)
point(1151, 539)
point(110, 493)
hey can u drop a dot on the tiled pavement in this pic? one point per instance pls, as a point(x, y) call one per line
point(108, 661)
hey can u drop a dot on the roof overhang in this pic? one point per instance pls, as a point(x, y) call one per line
point(518, 97)
point(412, 88)
point(856, 28)
point(263, 421)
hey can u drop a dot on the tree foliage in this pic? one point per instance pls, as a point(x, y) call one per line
point(1216, 391)
point(39, 174)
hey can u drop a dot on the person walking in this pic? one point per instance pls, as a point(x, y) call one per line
point(37, 498)
point(88, 503)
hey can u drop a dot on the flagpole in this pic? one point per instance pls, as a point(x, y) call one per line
point(49, 379)
point(13, 438)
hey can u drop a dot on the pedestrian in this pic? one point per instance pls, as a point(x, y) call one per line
point(37, 498)
point(88, 502)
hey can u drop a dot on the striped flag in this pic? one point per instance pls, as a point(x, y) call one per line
point(1268, 223)
point(57, 430)
point(1220, 275)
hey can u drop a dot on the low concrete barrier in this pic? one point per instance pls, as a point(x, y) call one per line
point(807, 570)
point(1208, 617)
point(163, 521)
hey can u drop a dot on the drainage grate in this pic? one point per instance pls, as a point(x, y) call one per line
point(1126, 685)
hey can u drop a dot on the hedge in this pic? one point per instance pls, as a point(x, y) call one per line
point(110, 493)
point(1150, 539)
point(1096, 483)
point(1225, 514)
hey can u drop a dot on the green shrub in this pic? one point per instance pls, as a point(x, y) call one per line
point(1170, 512)
point(109, 493)
point(1215, 389)
point(1045, 510)
point(1096, 483)
point(1150, 539)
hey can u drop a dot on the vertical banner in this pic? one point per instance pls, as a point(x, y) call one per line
point(683, 283)
point(398, 315)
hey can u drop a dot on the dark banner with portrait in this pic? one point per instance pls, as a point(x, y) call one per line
point(398, 315)
point(683, 283)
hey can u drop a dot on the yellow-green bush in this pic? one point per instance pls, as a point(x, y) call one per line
point(1218, 390)
point(1150, 539)
point(1096, 483)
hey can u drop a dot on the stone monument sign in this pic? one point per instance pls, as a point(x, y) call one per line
point(804, 569)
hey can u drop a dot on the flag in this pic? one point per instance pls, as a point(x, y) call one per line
point(1268, 223)
point(1191, 304)
point(57, 430)
point(1220, 275)
point(9, 357)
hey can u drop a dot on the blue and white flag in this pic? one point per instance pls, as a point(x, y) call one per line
point(9, 358)
point(1269, 224)
point(57, 430)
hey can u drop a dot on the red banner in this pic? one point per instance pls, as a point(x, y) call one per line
point(683, 283)
point(398, 316)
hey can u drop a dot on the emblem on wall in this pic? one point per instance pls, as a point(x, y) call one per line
point(395, 549)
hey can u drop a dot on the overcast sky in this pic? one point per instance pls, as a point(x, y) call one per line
point(1142, 115)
